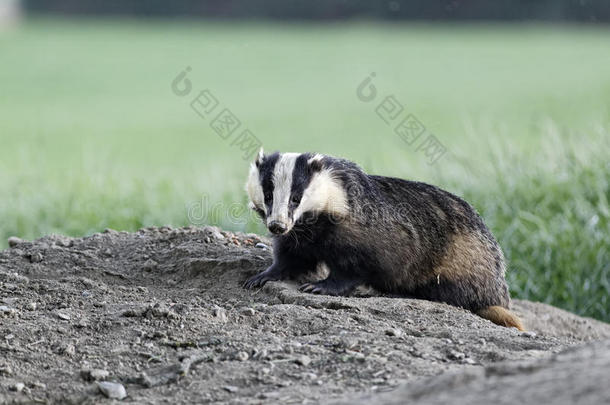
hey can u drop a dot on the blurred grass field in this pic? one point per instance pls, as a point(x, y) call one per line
point(92, 136)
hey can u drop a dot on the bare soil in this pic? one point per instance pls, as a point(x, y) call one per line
point(162, 313)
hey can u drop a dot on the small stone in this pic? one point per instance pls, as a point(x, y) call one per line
point(260, 354)
point(149, 265)
point(160, 310)
point(17, 387)
point(7, 311)
point(528, 334)
point(393, 332)
point(14, 241)
point(214, 232)
point(63, 316)
point(65, 242)
point(248, 311)
point(359, 357)
point(112, 390)
point(36, 257)
point(261, 246)
point(10, 286)
point(230, 388)
point(303, 360)
point(31, 306)
point(94, 375)
point(220, 313)
point(69, 350)
point(18, 278)
point(159, 335)
point(455, 355)
point(469, 361)
point(241, 356)
point(347, 343)
point(5, 370)
point(270, 395)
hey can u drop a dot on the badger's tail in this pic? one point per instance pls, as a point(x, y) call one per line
point(500, 316)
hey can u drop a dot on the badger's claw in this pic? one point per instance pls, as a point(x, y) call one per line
point(307, 287)
point(260, 280)
point(330, 287)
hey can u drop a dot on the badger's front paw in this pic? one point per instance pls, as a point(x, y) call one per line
point(330, 287)
point(261, 279)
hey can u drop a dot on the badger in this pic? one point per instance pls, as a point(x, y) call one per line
point(399, 237)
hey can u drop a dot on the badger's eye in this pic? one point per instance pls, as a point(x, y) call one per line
point(268, 196)
point(295, 199)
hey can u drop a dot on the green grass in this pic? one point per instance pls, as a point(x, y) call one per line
point(553, 221)
point(92, 137)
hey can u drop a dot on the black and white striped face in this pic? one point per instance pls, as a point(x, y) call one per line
point(284, 186)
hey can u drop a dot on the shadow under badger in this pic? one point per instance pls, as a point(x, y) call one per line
point(397, 236)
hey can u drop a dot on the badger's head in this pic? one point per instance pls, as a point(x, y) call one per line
point(283, 187)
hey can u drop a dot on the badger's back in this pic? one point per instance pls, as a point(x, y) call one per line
point(431, 244)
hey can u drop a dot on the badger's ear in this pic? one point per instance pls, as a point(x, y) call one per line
point(260, 157)
point(315, 164)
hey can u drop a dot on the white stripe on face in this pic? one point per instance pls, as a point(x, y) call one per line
point(282, 185)
point(255, 190)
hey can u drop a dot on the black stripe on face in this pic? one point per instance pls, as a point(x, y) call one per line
point(265, 172)
point(301, 177)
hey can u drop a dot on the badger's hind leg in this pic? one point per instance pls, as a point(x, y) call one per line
point(471, 276)
point(331, 286)
point(486, 297)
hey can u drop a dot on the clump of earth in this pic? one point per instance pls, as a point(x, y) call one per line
point(159, 316)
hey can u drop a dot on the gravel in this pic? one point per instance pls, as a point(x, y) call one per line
point(184, 329)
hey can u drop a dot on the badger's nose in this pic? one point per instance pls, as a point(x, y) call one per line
point(277, 227)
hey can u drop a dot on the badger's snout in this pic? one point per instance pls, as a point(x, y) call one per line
point(277, 227)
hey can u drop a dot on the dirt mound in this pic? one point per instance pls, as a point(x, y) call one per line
point(162, 313)
point(575, 376)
